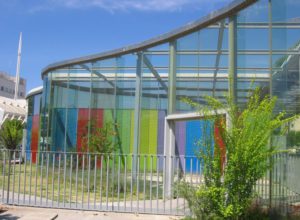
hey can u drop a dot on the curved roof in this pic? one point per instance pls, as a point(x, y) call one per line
point(34, 91)
point(211, 18)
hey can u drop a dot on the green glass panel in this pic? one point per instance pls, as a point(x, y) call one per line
point(123, 130)
point(153, 129)
point(144, 135)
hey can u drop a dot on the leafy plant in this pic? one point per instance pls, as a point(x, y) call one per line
point(227, 191)
point(100, 139)
point(11, 134)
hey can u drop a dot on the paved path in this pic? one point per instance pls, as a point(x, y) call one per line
point(29, 213)
point(159, 206)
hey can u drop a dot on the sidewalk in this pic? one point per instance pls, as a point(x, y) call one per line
point(30, 213)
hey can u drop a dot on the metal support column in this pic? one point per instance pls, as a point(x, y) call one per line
point(172, 79)
point(169, 142)
point(137, 114)
point(232, 50)
point(271, 94)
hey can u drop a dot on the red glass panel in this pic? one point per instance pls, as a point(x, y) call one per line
point(35, 137)
point(82, 127)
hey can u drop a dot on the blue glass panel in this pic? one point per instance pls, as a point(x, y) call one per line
point(195, 137)
point(72, 129)
point(58, 140)
point(28, 137)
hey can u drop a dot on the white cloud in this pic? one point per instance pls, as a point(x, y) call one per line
point(127, 5)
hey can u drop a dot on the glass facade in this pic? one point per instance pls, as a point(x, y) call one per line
point(258, 46)
point(33, 125)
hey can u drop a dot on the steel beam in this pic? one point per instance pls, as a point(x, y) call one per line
point(232, 49)
point(172, 79)
point(219, 52)
point(271, 93)
point(169, 142)
point(155, 73)
point(98, 74)
point(137, 113)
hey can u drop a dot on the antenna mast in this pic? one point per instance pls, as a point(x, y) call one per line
point(18, 68)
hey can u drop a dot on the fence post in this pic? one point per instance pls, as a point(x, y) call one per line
point(271, 181)
point(8, 177)
point(169, 151)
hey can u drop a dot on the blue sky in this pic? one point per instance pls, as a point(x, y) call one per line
point(55, 30)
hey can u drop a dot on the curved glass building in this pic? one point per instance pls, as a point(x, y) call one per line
point(247, 44)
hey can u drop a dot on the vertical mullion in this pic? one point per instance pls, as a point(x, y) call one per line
point(66, 118)
point(137, 109)
point(232, 58)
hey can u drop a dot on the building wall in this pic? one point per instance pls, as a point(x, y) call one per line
point(7, 86)
point(108, 90)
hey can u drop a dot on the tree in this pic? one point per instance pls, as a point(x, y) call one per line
point(11, 134)
point(99, 139)
point(228, 189)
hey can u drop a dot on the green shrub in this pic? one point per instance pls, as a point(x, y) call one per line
point(228, 189)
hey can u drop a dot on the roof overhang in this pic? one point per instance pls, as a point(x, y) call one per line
point(212, 18)
point(34, 91)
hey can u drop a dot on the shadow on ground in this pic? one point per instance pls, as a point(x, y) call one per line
point(7, 216)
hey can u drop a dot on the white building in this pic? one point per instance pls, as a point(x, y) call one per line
point(7, 86)
point(10, 109)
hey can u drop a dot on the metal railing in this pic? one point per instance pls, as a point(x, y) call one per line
point(280, 188)
point(95, 181)
point(122, 183)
